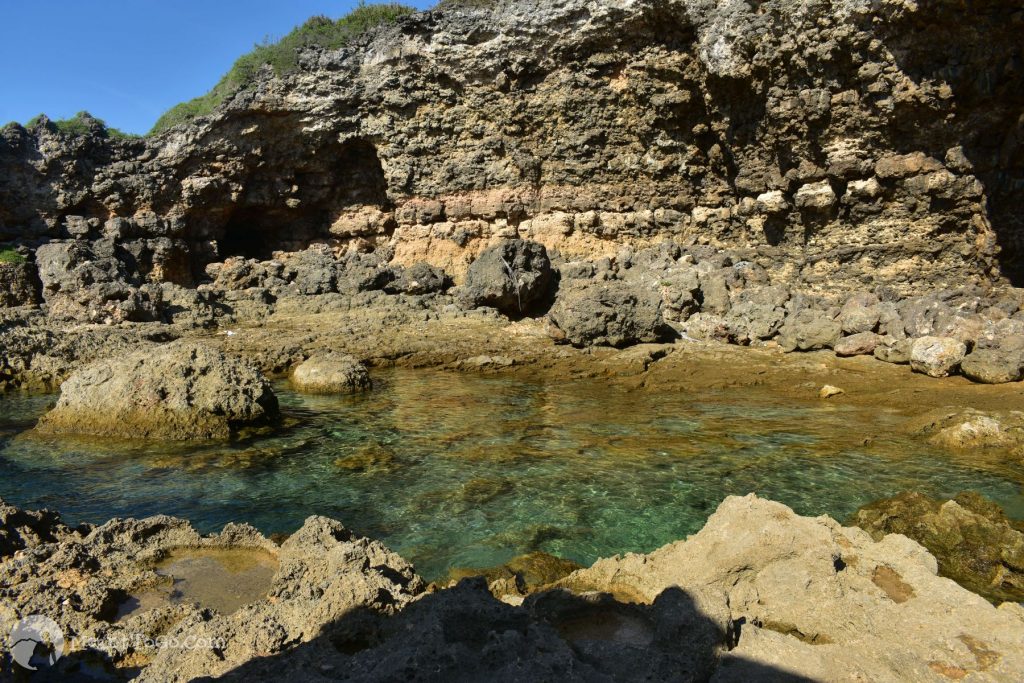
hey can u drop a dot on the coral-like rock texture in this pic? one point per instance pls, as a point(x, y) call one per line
point(842, 143)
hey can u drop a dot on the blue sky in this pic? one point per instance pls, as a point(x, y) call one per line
point(128, 61)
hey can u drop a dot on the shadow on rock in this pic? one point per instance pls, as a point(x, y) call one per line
point(465, 634)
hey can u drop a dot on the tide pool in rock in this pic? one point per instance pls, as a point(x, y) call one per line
point(457, 470)
point(223, 579)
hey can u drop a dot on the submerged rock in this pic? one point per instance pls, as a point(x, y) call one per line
point(972, 539)
point(331, 373)
point(176, 391)
point(969, 430)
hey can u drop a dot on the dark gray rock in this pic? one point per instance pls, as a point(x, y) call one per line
point(514, 277)
point(611, 313)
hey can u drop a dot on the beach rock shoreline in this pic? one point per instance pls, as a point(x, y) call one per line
point(759, 593)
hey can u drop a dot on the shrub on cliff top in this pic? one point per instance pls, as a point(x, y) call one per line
point(283, 56)
point(82, 123)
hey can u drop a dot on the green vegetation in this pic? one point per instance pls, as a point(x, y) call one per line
point(83, 123)
point(283, 56)
point(8, 255)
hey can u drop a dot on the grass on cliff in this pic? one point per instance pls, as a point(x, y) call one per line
point(8, 255)
point(83, 123)
point(283, 56)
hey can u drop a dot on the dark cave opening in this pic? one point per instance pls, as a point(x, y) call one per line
point(290, 202)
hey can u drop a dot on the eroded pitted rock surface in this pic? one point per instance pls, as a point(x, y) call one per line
point(175, 391)
point(810, 178)
point(839, 144)
point(759, 594)
point(972, 539)
point(79, 578)
point(824, 601)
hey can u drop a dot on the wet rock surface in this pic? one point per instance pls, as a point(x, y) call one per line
point(176, 391)
point(972, 539)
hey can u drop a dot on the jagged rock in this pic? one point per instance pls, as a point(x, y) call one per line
point(972, 539)
point(176, 391)
point(860, 314)
point(514, 277)
point(19, 285)
point(822, 601)
point(758, 594)
point(815, 196)
point(937, 356)
point(331, 373)
point(860, 344)
point(993, 366)
point(967, 430)
point(610, 313)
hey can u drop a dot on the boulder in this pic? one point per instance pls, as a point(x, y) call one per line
point(970, 430)
point(514, 277)
point(860, 314)
point(809, 330)
point(893, 350)
point(993, 366)
point(860, 344)
point(176, 391)
point(937, 356)
point(331, 373)
point(613, 313)
point(974, 542)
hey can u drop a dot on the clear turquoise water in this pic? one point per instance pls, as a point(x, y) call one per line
point(464, 470)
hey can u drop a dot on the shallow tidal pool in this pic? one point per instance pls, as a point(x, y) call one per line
point(460, 470)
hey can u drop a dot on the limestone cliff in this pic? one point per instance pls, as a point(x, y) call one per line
point(842, 143)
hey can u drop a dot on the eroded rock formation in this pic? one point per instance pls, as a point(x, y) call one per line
point(759, 594)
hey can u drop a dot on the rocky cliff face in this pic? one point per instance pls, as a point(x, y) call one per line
point(840, 144)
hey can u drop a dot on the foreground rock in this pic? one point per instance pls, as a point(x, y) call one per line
point(331, 373)
point(824, 601)
point(972, 539)
point(78, 578)
point(759, 594)
point(176, 391)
